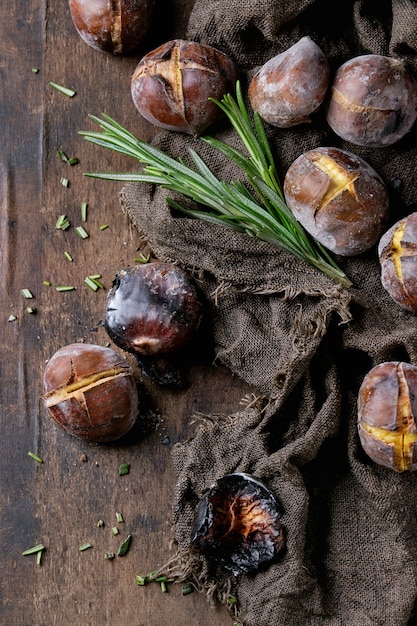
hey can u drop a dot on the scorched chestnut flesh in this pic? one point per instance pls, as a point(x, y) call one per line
point(237, 524)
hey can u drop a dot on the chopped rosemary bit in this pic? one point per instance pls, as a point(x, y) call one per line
point(31, 309)
point(35, 457)
point(62, 223)
point(104, 227)
point(38, 548)
point(85, 546)
point(100, 523)
point(35, 70)
point(259, 210)
point(72, 161)
point(46, 283)
point(93, 283)
point(119, 517)
point(109, 556)
point(68, 256)
point(64, 288)
point(164, 587)
point(186, 589)
point(114, 531)
point(39, 557)
point(140, 580)
point(124, 546)
point(12, 318)
point(124, 469)
point(64, 181)
point(26, 293)
point(142, 258)
point(81, 232)
point(65, 90)
point(84, 207)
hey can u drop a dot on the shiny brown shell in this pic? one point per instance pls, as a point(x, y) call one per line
point(91, 392)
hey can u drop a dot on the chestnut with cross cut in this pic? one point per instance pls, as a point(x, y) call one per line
point(116, 27)
point(338, 198)
point(172, 85)
point(387, 412)
point(91, 392)
point(397, 251)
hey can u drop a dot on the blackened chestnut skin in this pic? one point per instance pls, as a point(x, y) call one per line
point(153, 310)
point(172, 85)
point(237, 524)
point(91, 392)
point(114, 27)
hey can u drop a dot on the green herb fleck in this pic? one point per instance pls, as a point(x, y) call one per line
point(164, 587)
point(119, 517)
point(64, 288)
point(142, 258)
point(93, 283)
point(35, 457)
point(68, 256)
point(26, 293)
point(114, 530)
point(124, 546)
point(186, 589)
point(64, 181)
point(65, 90)
point(85, 546)
point(140, 580)
point(100, 523)
point(38, 548)
point(84, 207)
point(104, 226)
point(109, 556)
point(81, 232)
point(12, 318)
point(35, 70)
point(62, 223)
point(124, 469)
point(31, 309)
point(46, 283)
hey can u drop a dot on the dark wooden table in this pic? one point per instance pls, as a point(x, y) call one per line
point(58, 503)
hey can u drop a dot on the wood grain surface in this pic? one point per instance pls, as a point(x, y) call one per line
point(58, 503)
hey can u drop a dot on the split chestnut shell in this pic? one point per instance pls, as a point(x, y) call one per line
point(237, 524)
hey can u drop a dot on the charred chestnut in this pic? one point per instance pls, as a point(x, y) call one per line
point(397, 252)
point(387, 413)
point(115, 27)
point(237, 524)
point(288, 88)
point(172, 85)
point(152, 310)
point(338, 198)
point(373, 101)
point(91, 392)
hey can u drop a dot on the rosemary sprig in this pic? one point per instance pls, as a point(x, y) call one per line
point(261, 213)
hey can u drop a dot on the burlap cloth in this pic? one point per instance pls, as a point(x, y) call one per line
point(304, 344)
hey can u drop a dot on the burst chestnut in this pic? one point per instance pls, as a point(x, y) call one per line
point(338, 198)
point(91, 392)
point(116, 27)
point(172, 85)
point(387, 411)
point(373, 101)
point(397, 251)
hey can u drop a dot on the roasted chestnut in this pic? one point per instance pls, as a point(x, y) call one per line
point(91, 392)
point(171, 86)
point(237, 524)
point(116, 27)
point(387, 412)
point(338, 198)
point(373, 101)
point(152, 310)
point(397, 251)
point(288, 88)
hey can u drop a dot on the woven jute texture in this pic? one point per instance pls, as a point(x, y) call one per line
point(303, 343)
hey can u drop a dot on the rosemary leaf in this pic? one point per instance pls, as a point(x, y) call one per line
point(257, 209)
